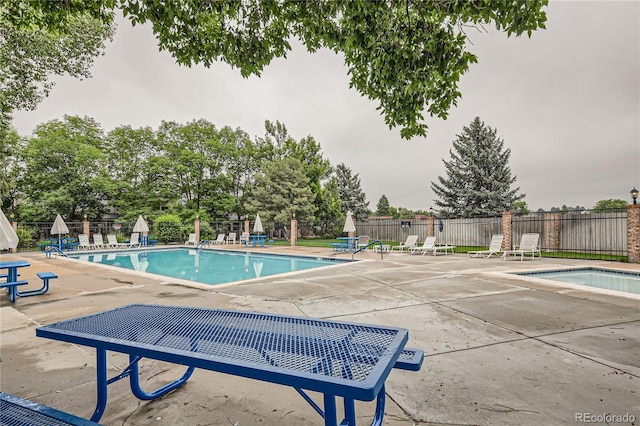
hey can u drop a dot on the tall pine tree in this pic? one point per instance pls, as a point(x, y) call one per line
point(351, 195)
point(479, 179)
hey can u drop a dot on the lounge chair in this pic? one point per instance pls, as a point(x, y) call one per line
point(231, 238)
point(219, 240)
point(429, 244)
point(363, 241)
point(112, 242)
point(495, 247)
point(191, 240)
point(410, 243)
point(134, 241)
point(83, 242)
point(528, 244)
point(244, 238)
point(98, 242)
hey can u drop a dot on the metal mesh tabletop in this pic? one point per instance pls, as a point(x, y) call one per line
point(288, 350)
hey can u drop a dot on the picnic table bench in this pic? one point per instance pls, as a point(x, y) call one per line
point(337, 359)
point(19, 411)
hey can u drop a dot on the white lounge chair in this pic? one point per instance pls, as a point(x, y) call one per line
point(218, 240)
point(363, 241)
point(231, 238)
point(98, 242)
point(134, 241)
point(83, 242)
point(429, 244)
point(410, 243)
point(495, 247)
point(244, 238)
point(528, 244)
point(112, 242)
point(191, 240)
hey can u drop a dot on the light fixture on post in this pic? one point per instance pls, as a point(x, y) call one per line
point(634, 195)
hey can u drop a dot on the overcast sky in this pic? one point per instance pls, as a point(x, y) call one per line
point(566, 102)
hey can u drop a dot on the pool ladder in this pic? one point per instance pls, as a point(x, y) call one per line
point(373, 243)
point(55, 250)
point(202, 243)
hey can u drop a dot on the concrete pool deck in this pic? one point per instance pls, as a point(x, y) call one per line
point(499, 349)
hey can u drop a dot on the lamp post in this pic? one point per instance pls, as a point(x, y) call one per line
point(634, 195)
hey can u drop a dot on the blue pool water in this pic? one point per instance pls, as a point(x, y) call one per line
point(628, 282)
point(206, 266)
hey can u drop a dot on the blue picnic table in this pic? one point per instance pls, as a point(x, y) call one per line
point(337, 359)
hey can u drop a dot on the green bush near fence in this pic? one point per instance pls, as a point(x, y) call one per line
point(168, 229)
point(26, 236)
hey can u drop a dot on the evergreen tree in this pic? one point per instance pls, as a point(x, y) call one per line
point(351, 194)
point(479, 179)
point(383, 206)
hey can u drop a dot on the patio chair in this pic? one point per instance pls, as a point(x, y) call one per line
point(83, 242)
point(410, 243)
point(528, 244)
point(495, 247)
point(244, 238)
point(112, 242)
point(363, 241)
point(134, 241)
point(218, 240)
point(98, 242)
point(429, 244)
point(231, 238)
point(191, 240)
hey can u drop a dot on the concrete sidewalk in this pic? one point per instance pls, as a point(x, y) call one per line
point(499, 349)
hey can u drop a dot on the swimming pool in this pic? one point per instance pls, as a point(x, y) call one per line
point(608, 279)
point(207, 266)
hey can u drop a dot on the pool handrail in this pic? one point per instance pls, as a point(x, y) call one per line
point(367, 246)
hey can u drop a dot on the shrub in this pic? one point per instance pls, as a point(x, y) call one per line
point(168, 229)
point(26, 236)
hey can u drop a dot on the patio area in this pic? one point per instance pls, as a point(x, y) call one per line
point(499, 349)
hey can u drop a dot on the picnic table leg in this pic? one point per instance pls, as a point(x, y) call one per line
point(101, 372)
point(330, 410)
point(146, 396)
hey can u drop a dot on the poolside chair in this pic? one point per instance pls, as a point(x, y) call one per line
point(244, 238)
point(429, 244)
point(191, 240)
point(98, 242)
point(410, 243)
point(218, 240)
point(83, 242)
point(528, 244)
point(134, 241)
point(363, 241)
point(112, 242)
point(231, 238)
point(495, 247)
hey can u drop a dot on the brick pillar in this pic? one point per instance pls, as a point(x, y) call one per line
point(506, 230)
point(431, 227)
point(14, 225)
point(552, 231)
point(85, 225)
point(633, 233)
point(294, 232)
point(246, 225)
point(196, 227)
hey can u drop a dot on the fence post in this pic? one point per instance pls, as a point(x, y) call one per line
point(294, 231)
point(633, 233)
point(506, 230)
point(431, 231)
point(196, 228)
point(552, 231)
point(85, 225)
